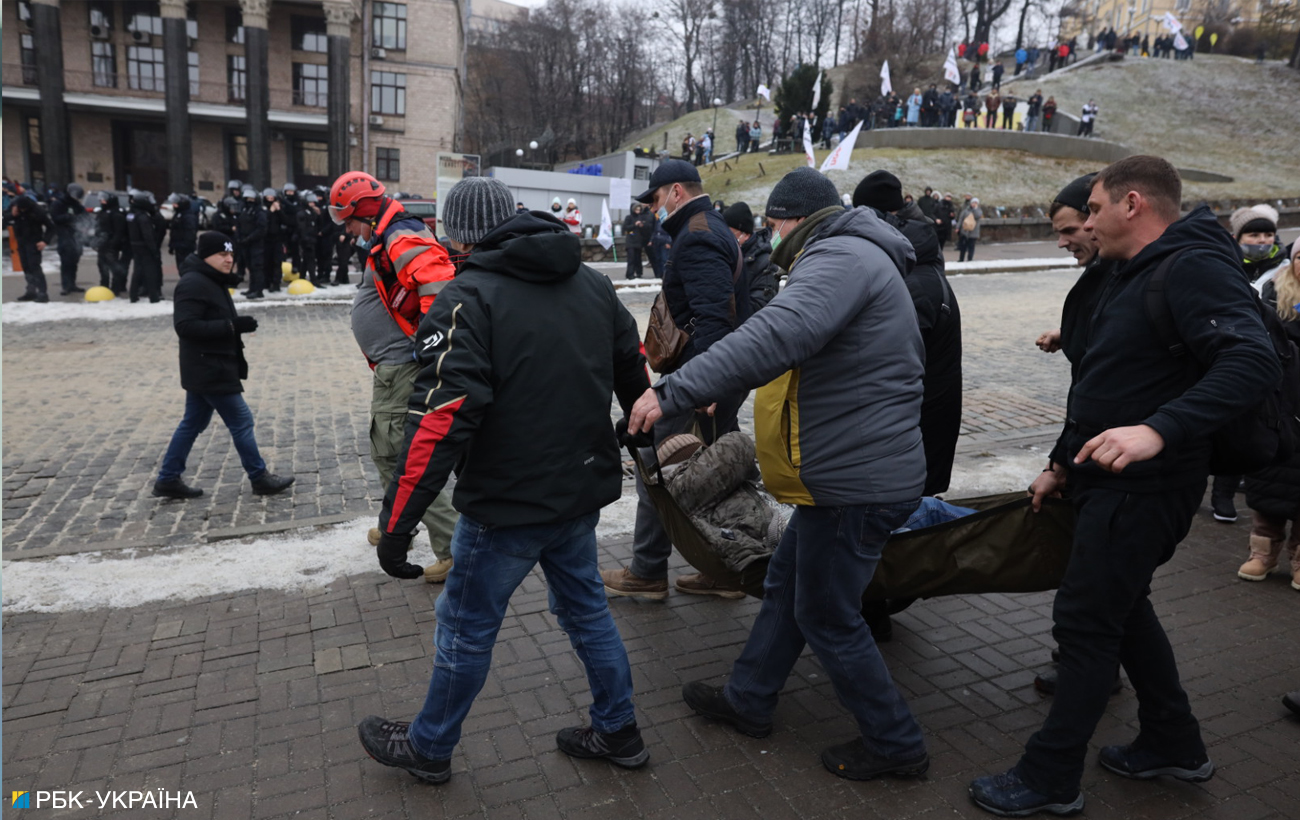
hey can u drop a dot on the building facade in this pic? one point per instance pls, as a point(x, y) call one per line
point(182, 96)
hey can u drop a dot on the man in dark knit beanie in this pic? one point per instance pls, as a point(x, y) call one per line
point(518, 357)
point(838, 362)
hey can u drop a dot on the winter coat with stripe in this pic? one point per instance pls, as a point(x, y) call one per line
point(519, 355)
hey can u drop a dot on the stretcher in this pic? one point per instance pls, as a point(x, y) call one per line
point(1003, 547)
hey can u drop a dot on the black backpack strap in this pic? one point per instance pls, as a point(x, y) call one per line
point(1157, 302)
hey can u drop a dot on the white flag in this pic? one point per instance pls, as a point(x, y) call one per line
point(1171, 22)
point(817, 91)
point(951, 72)
point(764, 92)
point(808, 143)
point(606, 235)
point(839, 158)
point(885, 85)
point(1180, 42)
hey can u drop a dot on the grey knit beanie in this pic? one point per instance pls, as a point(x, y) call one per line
point(475, 206)
point(802, 192)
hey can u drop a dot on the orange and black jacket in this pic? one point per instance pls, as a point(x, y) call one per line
point(410, 266)
point(519, 355)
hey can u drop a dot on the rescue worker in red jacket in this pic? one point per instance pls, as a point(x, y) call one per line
point(405, 268)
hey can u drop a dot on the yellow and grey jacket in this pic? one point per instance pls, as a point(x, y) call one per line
point(839, 359)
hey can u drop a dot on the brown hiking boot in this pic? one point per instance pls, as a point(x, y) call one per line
point(1263, 558)
point(436, 573)
point(701, 584)
point(621, 582)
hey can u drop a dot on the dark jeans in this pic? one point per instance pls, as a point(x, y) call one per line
point(146, 276)
point(198, 413)
point(490, 563)
point(965, 248)
point(1103, 619)
point(633, 263)
point(256, 268)
point(112, 273)
point(651, 546)
point(813, 594)
point(69, 257)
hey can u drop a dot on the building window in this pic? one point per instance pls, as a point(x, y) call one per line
point(388, 164)
point(311, 85)
point(28, 48)
point(238, 150)
point(143, 17)
point(144, 68)
point(311, 161)
point(387, 93)
point(103, 65)
point(309, 33)
point(236, 77)
point(390, 26)
point(234, 25)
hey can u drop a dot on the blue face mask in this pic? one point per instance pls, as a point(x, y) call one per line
point(363, 244)
point(663, 213)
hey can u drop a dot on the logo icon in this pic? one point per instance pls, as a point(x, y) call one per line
point(22, 800)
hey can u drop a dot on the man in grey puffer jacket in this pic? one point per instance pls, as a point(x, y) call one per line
point(839, 358)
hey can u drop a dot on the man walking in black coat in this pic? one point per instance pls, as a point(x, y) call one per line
point(145, 228)
point(32, 230)
point(1135, 453)
point(66, 211)
point(635, 236)
point(212, 368)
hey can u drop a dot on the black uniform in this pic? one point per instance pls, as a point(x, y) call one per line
point(252, 241)
point(65, 212)
point(184, 232)
point(273, 249)
point(31, 225)
point(145, 228)
point(635, 239)
point(305, 241)
point(112, 245)
point(290, 207)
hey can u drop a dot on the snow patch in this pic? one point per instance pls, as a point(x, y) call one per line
point(1010, 264)
point(122, 309)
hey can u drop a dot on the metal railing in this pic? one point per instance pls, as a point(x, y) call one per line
point(125, 85)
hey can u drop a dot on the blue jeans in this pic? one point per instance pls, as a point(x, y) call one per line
point(490, 562)
point(813, 594)
point(198, 412)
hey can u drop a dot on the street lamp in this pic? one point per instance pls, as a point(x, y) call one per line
point(716, 102)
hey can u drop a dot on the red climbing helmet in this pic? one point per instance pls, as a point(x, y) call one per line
point(351, 189)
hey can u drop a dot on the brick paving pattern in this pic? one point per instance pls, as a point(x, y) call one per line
point(250, 700)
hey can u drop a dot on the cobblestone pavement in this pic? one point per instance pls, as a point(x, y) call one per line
point(250, 699)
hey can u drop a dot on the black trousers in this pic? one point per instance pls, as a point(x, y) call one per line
point(272, 255)
point(31, 262)
point(69, 257)
point(1103, 618)
point(307, 252)
point(256, 269)
point(146, 277)
point(633, 263)
point(344, 254)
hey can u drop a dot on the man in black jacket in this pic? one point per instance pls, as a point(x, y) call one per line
point(32, 231)
point(183, 233)
point(635, 237)
point(252, 220)
point(308, 224)
point(277, 229)
point(66, 211)
point(532, 478)
point(939, 316)
point(145, 228)
point(112, 244)
point(756, 250)
point(212, 368)
point(706, 293)
point(1135, 452)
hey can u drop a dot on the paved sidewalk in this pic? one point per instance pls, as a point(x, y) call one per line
point(250, 702)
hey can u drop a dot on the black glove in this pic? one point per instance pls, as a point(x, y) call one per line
point(392, 551)
point(245, 324)
point(641, 439)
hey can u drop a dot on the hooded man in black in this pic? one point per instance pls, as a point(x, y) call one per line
point(212, 368)
point(32, 231)
point(1135, 453)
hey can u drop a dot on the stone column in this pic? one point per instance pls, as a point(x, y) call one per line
point(339, 15)
point(176, 71)
point(56, 133)
point(258, 94)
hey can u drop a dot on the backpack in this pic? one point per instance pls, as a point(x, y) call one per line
point(1268, 433)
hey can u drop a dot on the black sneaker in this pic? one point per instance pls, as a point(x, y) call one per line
point(387, 742)
point(622, 748)
point(26, 297)
point(175, 488)
point(709, 701)
point(1045, 682)
point(1006, 795)
point(855, 761)
point(1223, 509)
point(270, 484)
point(1144, 764)
point(1291, 700)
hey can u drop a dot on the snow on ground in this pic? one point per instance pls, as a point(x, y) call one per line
point(310, 558)
point(121, 308)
